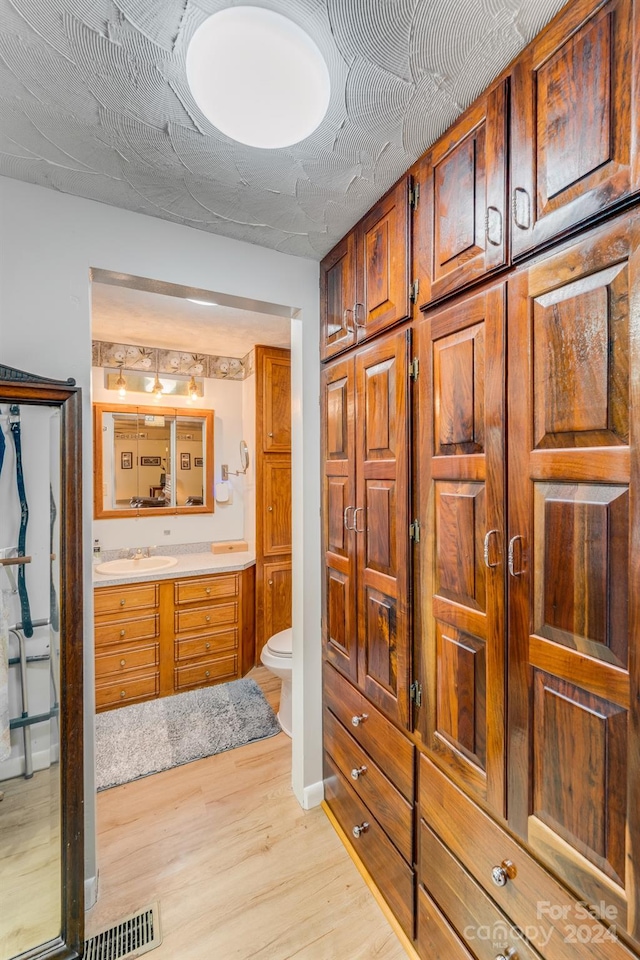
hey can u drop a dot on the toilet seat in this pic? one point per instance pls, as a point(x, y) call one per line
point(280, 644)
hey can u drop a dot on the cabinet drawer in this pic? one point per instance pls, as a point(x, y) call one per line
point(436, 938)
point(480, 845)
point(391, 874)
point(121, 631)
point(187, 621)
point(376, 735)
point(127, 658)
point(121, 600)
point(392, 811)
point(477, 920)
point(206, 588)
point(127, 690)
point(206, 646)
point(201, 674)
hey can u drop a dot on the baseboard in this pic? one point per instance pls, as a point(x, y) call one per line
point(41, 759)
point(90, 892)
point(313, 795)
point(366, 876)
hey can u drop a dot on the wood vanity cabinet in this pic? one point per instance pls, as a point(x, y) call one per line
point(156, 639)
point(365, 286)
point(575, 95)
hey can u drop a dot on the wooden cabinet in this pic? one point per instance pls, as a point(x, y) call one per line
point(156, 639)
point(364, 281)
point(366, 521)
point(574, 120)
point(464, 192)
point(273, 493)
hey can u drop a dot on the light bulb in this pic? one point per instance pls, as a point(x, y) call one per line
point(121, 384)
point(193, 389)
point(157, 389)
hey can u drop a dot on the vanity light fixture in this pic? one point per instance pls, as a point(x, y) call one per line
point(157, 389)
point(258, 77)
point(121, 383)
point(193, 388)
point(203, 303)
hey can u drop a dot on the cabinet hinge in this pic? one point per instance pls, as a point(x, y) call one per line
point(414, 369)
point(414, 531)
point(413, 291)
point(415, 692)
point(414, 194)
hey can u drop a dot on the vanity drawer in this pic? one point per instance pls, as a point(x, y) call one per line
point(392, 811)
point(480, 925)
point(389, 871)
point(128, 658)
point(436, 939)
point(376, 735)
point(122, 599)
point(127, 690)
point(189, 647)
point(142, 628)
point(186, 621)
point(202, 674)
point(206, 588)
point(480, 845)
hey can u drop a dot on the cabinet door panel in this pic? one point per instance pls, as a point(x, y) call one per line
point(277, 597)
point(573, 592)
point(277, 506)
point(465, 177)
point(337, 298)
point(460, 475)
point(574, 108)
point(383, 264)
point(339, 502)
point(382, 525)
point(276, 386)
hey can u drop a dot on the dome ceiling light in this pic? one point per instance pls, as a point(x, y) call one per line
point(258, 77)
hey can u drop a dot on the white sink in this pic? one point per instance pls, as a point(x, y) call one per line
point(137, 565)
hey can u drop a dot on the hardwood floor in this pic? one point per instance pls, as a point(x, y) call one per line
point(240, 870)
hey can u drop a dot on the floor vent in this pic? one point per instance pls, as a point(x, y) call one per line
point(130, 938)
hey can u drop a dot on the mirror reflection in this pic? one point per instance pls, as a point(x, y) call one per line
point(151, 459)
point(30, 850)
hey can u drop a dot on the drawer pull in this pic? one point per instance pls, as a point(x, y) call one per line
point(122, 603)
point(207, 619)
point(123, 663)
point(357, 772)
point(359, 829)
point(123, 694)
point(207, 673)
point(509, 955)
point(506, 871)
point(208, 590)
point(122, 633)
point(357, 720)
point(207, 646)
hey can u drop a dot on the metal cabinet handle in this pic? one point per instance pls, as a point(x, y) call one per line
point(356, 721)
point(347, 318)
point(487, 542)
point(493, 225)
point(345, 518)
point(123, 694)
point(122, 633)
point(207, 646)
point(501, 874)
point(359, 829)
point(207, 619)
point(270, 509)
point(355, 314)
point(122, 603)
point(357, 772)
point(355, 520)
point(208, 590)
point(270, 582)
point(512, 570)
point(509, 955)
point(207, 673)
point(123, 663)
point(521, 208)
point(269, 434)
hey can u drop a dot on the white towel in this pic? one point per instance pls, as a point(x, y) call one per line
point(5, 732)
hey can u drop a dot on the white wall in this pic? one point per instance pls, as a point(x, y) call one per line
point(226, 398)
point(48, 243)
point(249, 433)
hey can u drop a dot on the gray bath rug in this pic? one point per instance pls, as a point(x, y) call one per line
point(145, 738)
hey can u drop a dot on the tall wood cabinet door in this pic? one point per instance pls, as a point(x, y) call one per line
point(337, 298)
point(383, 258)
point(338, 513)
point(382, 524)
point(574, 118)
point(466, 195)
point(574, 566)
point(276, 524)
point(277, 596)
point(276, 401)
point(460, 585)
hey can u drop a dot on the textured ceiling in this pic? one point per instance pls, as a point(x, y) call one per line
point(94, 102)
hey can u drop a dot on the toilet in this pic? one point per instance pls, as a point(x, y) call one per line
point(276, 656)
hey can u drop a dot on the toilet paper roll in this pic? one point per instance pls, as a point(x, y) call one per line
point(223, 493)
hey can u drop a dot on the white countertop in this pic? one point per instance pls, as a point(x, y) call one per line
point(189, 564)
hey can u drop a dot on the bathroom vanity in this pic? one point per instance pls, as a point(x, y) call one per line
point(190, 627)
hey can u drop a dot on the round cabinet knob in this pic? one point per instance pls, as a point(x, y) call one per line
point(122, 603)
point(270, 583)
point(356, 721)
point(123, 663)
point(269, 434)
point(359, 829)
point(207, 673)
point(207, 646)
point(270, 509)
point(509, 955)
point(122, 633)
point(207, 619)
point(208, 590)
point(500, 875)
point(123, 693)
point(357, 772)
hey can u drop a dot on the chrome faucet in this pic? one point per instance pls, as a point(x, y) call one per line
point(139, 553)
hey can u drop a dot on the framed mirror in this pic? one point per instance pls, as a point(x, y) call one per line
point(41, 713)
point(152, 460)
